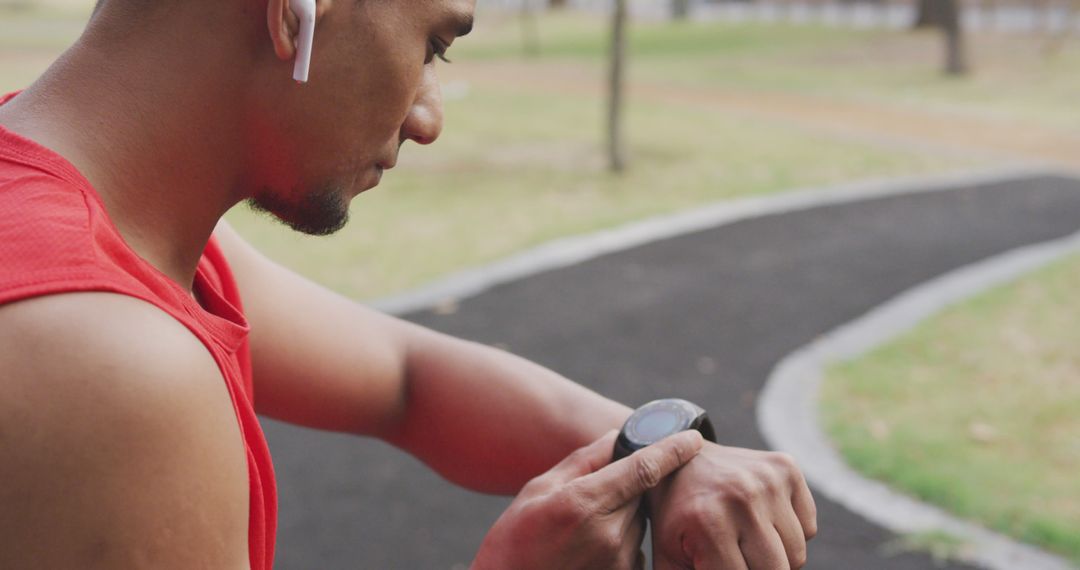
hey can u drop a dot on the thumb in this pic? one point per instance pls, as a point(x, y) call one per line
point(586, 460)
point(627, 478)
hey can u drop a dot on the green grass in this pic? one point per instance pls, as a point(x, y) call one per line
point(574, 36)
point(517, 169)
point(1012, 81)
point(977, 410)
point(942, 547)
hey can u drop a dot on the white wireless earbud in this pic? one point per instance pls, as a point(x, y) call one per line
point(305, 10)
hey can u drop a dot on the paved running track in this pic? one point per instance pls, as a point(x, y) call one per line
point(704, 316)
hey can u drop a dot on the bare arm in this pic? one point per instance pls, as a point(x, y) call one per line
point(483, 418)
point(118, 446)
point(491, 421)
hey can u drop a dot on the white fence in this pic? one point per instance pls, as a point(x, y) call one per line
point(999, 15)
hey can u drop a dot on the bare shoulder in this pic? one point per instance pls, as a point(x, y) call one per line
point(118, 440)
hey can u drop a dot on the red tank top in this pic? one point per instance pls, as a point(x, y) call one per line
point(55, 237)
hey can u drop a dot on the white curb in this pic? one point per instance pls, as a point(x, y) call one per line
point(787, 410)
point(577, 249)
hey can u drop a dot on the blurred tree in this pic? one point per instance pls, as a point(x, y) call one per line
point(530, 34)
point(946, 15)
point(616, 150)
point(930, 14)
point(557, 4)
point(1069, 23)
point(955, 54)
point(680, 9)
point(1049, 13)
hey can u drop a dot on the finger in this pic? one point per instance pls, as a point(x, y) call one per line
point(637, 519)
point(718, 550)
point(633, 535)
point(801, 498)
point(663, 562)
point(627, 478)
point(791, 535)
point(763, 550)
point(805, 509)
point(730, 559)
point(639, 564)
point(585, 460)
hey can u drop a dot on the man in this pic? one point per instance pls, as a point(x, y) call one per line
point(127, 430)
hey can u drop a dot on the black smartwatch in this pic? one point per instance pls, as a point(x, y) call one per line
point(658, 419)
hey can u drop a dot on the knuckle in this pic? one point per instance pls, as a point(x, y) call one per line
point(579, 454)
point(797, 554)
point(610, 542)
point(680, 453)
point(769, 483)
point(783, 462)
point(744, 491)
point(788, 468)
point(571, 505)
point(535, 486)
point(810, 531)
point(700, 514)
point(647, 470)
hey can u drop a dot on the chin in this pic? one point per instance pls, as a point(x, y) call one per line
point(319, 213)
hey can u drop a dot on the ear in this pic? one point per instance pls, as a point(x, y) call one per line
point(283, 25)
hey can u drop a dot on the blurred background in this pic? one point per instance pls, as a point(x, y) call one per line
point(721, 99)
point(558, 123)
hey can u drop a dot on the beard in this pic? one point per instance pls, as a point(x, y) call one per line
point(318, 213)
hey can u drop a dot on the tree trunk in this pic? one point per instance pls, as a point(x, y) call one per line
point(530, 35)
point(930, 14)
point(955, 56)
point(1069, 23)
point(946, 15)
point(680, 9)
point(616, 150)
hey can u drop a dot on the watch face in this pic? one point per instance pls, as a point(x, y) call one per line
point(655, 421)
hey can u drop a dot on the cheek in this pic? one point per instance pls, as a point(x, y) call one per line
point(274, 151)
point(350, 112)
point(375, 64)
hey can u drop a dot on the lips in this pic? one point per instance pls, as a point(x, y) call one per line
point(380, 167)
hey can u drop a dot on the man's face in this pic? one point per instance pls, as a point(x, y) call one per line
point(372, 87)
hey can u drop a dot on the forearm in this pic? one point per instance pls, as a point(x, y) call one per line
point(489, 420)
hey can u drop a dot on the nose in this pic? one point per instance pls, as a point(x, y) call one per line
point(424, 122)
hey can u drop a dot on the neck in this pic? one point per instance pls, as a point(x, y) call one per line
point(156, 130)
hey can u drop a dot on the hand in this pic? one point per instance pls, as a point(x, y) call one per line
point(584, 513)
point(734, 509)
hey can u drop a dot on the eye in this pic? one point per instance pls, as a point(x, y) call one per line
point(436, 49)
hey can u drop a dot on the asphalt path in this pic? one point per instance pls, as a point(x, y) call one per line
point(703, 316)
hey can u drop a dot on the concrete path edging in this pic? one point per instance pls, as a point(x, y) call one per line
point(787, 410)
point(570, 251)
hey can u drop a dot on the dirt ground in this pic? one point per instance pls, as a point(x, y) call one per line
point(72, 5)
point(969, 134)
point(901, 126)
